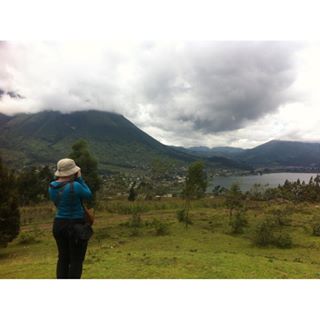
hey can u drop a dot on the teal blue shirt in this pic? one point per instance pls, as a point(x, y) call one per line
point(69, 203)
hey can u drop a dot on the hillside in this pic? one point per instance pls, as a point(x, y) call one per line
point(31, 139)
point(278, 153)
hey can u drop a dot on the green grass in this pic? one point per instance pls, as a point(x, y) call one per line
point(207, 250)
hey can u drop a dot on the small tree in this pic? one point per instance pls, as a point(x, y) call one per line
point(239, 222)
point(132, 192)
point(234, 198)
point(195, 186)
point(88, 165)
point(9, 211)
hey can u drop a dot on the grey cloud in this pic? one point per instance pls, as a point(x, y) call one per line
point(183, 88)
point(11, 94)
point(228, 83)
point(15, 95)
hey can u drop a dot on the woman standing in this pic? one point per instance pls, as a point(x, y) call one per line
point(67, 193)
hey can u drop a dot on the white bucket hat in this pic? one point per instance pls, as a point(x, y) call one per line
point(66, 167)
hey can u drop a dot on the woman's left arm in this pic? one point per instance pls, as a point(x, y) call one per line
point(82, 189)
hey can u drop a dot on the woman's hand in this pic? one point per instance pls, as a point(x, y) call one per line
point(77, 174)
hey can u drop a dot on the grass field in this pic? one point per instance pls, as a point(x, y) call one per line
point(206, 250)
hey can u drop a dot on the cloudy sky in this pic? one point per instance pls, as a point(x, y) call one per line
point(184, 93)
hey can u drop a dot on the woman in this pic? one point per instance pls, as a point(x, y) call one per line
point(67, 193)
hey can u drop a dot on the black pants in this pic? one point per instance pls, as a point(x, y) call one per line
point(71, 251)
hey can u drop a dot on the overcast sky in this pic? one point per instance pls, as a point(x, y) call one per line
point(238, 94)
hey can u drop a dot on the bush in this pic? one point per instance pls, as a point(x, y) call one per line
point(182, 217)
point(264, 234)
point(161, 228)
point(238, 222)
point(284, 240)
point(282, 216)
point(234, 198)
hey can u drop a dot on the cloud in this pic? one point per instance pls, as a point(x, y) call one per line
point(220, 86)
point(11, 94)
point(178, 89)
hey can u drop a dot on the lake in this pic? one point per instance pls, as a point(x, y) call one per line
point(270, 179)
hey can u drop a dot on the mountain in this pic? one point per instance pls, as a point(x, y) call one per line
point(277, 154)
point(45, 137)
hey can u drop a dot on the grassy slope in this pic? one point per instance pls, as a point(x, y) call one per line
point(206, 250)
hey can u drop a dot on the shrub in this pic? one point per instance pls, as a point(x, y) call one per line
point(264, 234)
point(284, 240)
point(238, 222)
point(161, 228)
point(282, 216)
point(234, 198)
point(182, 217)
point(132, 194)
